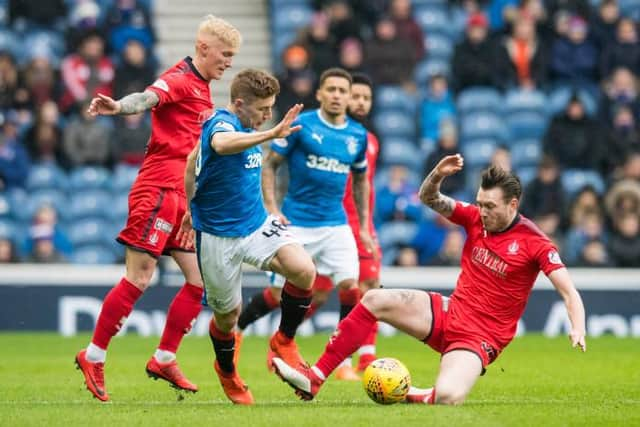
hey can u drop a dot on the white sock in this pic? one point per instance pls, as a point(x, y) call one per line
point(345, 362)
point(318, 372)
point(164, 356)
point(96, 354)
point(367, 349)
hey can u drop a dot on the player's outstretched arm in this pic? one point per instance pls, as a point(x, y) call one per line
point(225, 143)
point(564, 285)
point(130, 104)
point(361, 188)
point(430, 189)
point(269, 168)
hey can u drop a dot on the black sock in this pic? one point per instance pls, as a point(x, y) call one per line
point(294, 305)
point(224, 352)
point(256, 309)
point(345, 310)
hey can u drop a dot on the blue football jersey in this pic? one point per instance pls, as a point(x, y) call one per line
point(320, 157)
point(228, 198)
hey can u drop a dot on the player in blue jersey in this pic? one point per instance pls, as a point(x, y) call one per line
point(320, 157)
point(222, 182)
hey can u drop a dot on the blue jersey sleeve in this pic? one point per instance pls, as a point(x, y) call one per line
point(360, 163)
point(284, 146)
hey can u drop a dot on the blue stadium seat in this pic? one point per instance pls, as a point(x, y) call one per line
point(276, 4)
point(394, 98)
point(439, 46)
point(401, 152)
point(429, 68)
point(526, 125)
point(414, 178)
point(478, 153)
point(559, 98)
point(6, 208)
point(526, 174)
point(430, 3)
point(45, 176)
point(44, 43)
point(292, 17)
point(396, 233)
point(8, 229)
point(89, 203)
point(391, 123)
point(88, 232)
point(431, 19)
point(119, 208)
point(9, 42)
point(526, 153)
point(56, 198)
point(89, 177)
point(123, 177)
point(573, 180)
point(478, 99)
point(519, 101)
point(483, 125)
point(93, 254)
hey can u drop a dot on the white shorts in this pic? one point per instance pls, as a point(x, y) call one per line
point(333, 250)
point(220, 260)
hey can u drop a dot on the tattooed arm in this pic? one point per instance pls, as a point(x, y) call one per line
point(430, 189)
point(130, 104)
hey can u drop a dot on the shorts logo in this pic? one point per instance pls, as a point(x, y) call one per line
point(154, 238)
point(491, 352)
point(163, 226)
point(513, 248)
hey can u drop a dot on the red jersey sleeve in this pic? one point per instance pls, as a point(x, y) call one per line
point(169, 87)
point(464, 214)
point(546, 255)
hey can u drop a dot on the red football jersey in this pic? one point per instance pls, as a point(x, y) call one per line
point(373, 148)
point(185, 103)
point(498, 272)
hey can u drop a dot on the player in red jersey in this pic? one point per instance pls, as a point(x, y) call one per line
point(268, 300)
point(502, 256)
point(180, 101)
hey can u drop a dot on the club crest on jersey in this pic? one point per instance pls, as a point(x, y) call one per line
point(154, 238)
point(554, 257)
point(280, 142)
point(163, 226)
point(512, 249)
point(352, 145)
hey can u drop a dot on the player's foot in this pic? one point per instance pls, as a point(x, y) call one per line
point(365, 360)
point(286, 349)
point(233, 386)
point(93, 375)
point(346, 373)
point(170, 372)
point(238, 345)
point(419, 395)
point(302, 379)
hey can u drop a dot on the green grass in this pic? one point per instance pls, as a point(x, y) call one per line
point(536, 381)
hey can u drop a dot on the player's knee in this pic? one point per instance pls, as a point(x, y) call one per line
point(449, 396)
point(140, 277)
point(276, 293)
point(305, 275)
point(375, 301)
point(227, 321)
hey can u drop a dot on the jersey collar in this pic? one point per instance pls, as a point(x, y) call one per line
point(189, 62)
point(342, 126)
point(515, 221)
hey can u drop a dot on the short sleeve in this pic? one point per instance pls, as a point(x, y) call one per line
point(283, 146)
point(169, 88)
point(464, 214)
point(359, 165)
point(547, 256)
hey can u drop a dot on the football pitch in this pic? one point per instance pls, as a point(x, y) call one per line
point(536, 381)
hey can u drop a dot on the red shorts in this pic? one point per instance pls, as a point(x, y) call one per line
point(154, 219)
point(443, 339)
point(369, 267)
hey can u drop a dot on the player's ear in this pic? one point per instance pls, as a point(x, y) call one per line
point(238, 102)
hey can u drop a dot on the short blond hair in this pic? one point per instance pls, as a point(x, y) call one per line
point(221, 29)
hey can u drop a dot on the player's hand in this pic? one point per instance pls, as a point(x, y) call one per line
point(284, 128)
point(368, 243)
point(186, 235)
point(283, 219)
point(103, 105)
point(578, 340)
point(450, 165)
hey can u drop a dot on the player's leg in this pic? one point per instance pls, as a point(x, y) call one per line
point(459, 371)
point(407, 310)
point(260, 305)
point(322, 287)
point(369, 279)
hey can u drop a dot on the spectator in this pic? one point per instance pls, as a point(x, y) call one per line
point(44, 139)
point(586, 200)
point(321, 42)
point(631, 167)
point(580, 8)
point(45, 227)
point(451, 250)
point(624, 245)
point(544, 195)
point(8, 80)
point(522, 58)
point(474, 59)
point(126, 20)
point(86, 140)
point(39, 12)
point(624, 51)
point(130, 138)
point(624, 139)
point(430, 238)
point(297, 81)
point(501, 13)
point(8, 253)
point(605, 23)
point(44, 251)
point(135, 72)
point(621, 89)
point(623, 198)
point(407, 27)
point(550, 224)
point(575, 140)
point(83, 18)
point(41, 81)
point(447, 146)
point(574, 58)
point(86, 72)
point(437, 106)
point(501, 157)
point(351, 56)
point(594, 254)
point(397, 198)
point(406, 257)
point(581, 235)
point(14, 161)
point(343, 23)
point(389, 59)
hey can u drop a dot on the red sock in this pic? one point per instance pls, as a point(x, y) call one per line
point(348, 299)
point(116, 307)
point(183, 311)
point(371, 338)
point(311, 311)
point(349, 336)
point(272, 303)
